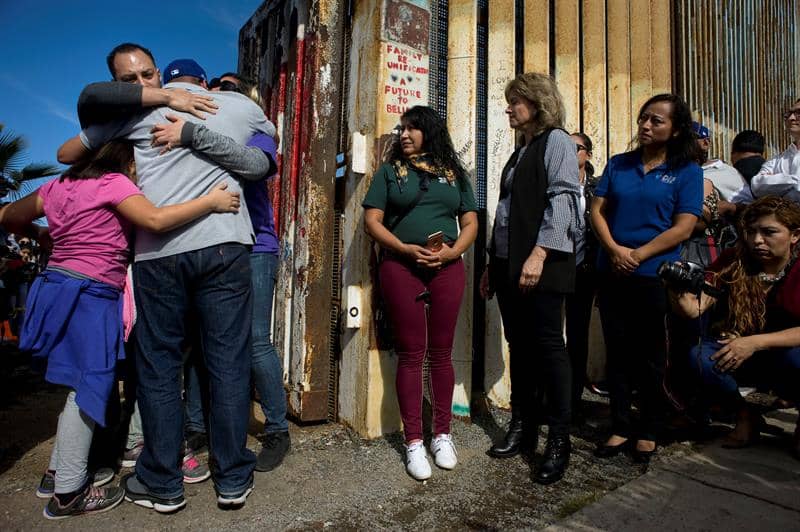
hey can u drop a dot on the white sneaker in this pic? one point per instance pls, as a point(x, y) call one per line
point(444, 451)
point(417, 461)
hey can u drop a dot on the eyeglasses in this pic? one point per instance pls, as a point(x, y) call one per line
point(580, 147)
point(789, 112)
point(228, 86)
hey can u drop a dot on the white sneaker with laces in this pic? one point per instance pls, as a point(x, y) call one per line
point(417, 461)
point(444, 451)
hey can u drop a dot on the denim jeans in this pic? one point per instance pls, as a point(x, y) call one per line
point(267, 365)
point(776, 369)
point(193, 388)
point(215, 282)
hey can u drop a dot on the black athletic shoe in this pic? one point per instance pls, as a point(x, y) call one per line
point(197, 442)
point(137, 493)
point(275, 447)
point(235, 500)
point(90, 500)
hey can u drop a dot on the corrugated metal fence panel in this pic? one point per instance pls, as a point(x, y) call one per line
point(619, 79)
point(437, 87)
point(568, 60)
point(738, 66)
point(506, 48)
point(594, 80)
point(536, 55)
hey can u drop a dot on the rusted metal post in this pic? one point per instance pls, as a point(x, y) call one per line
point(314, 152)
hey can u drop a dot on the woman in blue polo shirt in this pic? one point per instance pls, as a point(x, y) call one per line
point(645, 206)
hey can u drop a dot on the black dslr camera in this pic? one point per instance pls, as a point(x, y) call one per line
point(683, 276)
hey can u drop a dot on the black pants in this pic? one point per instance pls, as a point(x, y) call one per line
point(539, 361)
point(633, 311)
point(579, 314)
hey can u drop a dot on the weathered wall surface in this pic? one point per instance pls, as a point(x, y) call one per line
point(369, 409)
point(607, 56)
point(293, 49)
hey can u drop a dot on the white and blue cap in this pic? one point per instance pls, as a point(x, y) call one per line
point(183, 67)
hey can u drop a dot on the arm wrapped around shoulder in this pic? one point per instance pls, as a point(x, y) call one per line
point(108, 100)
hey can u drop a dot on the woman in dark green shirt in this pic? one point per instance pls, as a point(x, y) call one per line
point(417, 200)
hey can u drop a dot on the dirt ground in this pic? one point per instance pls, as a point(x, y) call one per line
point(332, 478)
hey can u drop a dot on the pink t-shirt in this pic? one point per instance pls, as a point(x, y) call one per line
point(89, 236)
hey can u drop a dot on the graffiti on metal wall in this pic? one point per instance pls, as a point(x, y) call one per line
point(405, 79)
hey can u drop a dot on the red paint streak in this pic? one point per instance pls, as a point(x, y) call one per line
point(309, 90)
point(294, 168)
point(278, 111)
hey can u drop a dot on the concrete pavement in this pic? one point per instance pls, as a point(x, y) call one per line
point(710, 488)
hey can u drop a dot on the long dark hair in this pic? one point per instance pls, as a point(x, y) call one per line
point(588, 167)
point(747, 296)
point(682, 148)
point(436, 140)
point(113, 157)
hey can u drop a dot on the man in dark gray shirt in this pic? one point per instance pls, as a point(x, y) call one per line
point(202, 266)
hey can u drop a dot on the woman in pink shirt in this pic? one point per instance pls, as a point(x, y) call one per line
point(75, 305)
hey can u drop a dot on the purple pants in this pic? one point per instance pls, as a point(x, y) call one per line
point(416, 334)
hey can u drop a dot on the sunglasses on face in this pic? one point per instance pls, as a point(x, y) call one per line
point(580, 147)
point(229, 86)
point(789, 112)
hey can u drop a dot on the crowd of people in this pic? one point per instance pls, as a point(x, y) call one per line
point(21, 258)
point(164, 246)
point(691, 262)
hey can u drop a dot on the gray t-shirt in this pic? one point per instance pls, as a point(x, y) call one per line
point(725, 177)
point(182, 174)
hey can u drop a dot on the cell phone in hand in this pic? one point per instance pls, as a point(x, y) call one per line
point(435, 241)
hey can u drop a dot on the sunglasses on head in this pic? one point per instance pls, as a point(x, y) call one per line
point(229, 86)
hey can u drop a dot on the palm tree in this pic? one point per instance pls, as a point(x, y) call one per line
point(12, 173)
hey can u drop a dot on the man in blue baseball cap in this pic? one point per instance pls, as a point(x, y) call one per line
point(725, 177)
point(185, 68)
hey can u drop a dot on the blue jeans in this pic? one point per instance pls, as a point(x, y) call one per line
point(193, 387)
point(776, 369)
point(267, 365)
point(215, 282)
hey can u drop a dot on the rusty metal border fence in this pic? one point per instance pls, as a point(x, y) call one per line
point(437, 86)
point(737, 66)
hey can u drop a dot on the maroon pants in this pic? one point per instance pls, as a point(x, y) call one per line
point(419, 331)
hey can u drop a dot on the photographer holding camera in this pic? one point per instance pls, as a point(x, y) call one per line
point(752, 332)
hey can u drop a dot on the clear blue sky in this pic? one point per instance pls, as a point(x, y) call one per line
point(52, 48)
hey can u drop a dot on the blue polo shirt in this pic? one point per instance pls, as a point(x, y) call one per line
point(640, 206)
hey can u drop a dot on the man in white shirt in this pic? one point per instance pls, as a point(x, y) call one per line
point(779, 176)
point(725, 177)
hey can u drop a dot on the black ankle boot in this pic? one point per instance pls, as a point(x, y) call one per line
point(511, 444)
point(556, 459)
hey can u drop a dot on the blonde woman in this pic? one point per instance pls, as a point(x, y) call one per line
point(532, 268)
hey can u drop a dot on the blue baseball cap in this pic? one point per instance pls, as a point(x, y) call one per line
point(700, 131)
point(183, 67)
